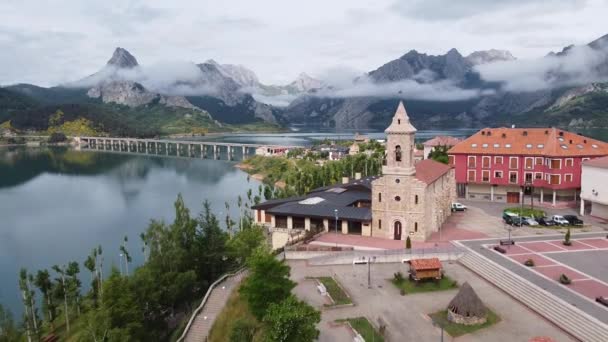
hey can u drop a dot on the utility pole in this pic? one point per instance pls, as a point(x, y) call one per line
point(336, 214)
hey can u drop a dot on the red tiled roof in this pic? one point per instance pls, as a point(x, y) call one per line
point(530, 141)
point(442, 140)
point(428, 170)
point(597, 162)
point(425, 264)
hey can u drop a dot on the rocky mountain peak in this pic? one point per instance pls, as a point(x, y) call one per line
point(489, 56)
point(123, 59)
point(304, 83)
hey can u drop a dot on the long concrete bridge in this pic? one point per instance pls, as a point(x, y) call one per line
point(202, 149)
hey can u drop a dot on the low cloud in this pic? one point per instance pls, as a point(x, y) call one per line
point(444, 90)
point(578, 66)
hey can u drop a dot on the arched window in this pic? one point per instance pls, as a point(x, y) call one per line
point(398, 121)
point(416, 199)
point(398, 153)
point(416, 227)
point(379, 224)
point(379, 197)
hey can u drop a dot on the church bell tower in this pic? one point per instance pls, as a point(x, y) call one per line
point(400, 145)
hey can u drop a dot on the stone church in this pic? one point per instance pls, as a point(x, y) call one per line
point(410, 198)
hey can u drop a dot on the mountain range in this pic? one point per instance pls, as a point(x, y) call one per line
point(486, 88)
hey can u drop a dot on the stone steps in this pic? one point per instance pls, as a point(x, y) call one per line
point(571, 319)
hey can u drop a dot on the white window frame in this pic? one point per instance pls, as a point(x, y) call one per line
point(559, 178)
point(566, 178)
point(489, 159)
point(537, 159)
point(489, 176)
point(474, 161)
point(526, 162)
point(502, 160)
point(474, 175)
point(551, 163)
point(453, 158)
point(529, 173)
point(536, 174)
point(501, 174)
point(516, 164)
point(566, 162)
point(516, 177)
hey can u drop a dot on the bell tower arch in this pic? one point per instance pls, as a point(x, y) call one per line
point(400, 144)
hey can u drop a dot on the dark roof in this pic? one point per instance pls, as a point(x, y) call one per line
point(428, 170)
point(467, 303)
point(321, 202)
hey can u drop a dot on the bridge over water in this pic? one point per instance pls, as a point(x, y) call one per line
point(183, 148)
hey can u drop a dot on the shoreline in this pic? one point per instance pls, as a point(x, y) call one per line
point(257, 176)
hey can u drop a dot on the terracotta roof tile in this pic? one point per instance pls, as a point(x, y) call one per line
point(597, 162)
point(442, 141)
point(425, 264)
point(428, 170)
point(530, 141)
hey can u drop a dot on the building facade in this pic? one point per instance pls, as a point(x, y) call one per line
point(437, 141)
point(594, 188)
point(514, 164)
point(409, 199)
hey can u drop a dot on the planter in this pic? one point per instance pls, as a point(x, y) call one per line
point(500, 249)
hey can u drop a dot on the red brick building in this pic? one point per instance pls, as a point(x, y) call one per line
point(504, 164)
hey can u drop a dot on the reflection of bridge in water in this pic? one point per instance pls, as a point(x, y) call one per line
point(179, 148)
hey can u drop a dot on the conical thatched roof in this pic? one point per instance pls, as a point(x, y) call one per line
point(467, 303)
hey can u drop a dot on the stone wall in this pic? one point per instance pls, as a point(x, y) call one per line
point(460, 319)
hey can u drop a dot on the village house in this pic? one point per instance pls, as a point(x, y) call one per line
point(407, 200)
point(437, 141)
point(506, 164)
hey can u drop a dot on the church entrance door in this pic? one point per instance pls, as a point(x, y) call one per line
point(397, 230)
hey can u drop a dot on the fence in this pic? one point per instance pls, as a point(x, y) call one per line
point(448, 253)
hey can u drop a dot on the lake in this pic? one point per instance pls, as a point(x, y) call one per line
point(56, 204)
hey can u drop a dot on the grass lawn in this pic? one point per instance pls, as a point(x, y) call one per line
point(456, 330)
point(236, 309)
point(335, 291)
point(364, 328)
point(409, 286)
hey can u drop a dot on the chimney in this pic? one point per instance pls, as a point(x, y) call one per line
point(344, 180)
point(357, 175)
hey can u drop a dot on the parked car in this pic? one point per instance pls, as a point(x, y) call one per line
point(560, 220)
point(512, 219)
point(545, 221)
point(574, 220)
point(458, 207)
point(529, 221)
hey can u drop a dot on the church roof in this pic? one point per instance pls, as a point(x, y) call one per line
point(428, 170)
point(401, 122)
point(467, 303)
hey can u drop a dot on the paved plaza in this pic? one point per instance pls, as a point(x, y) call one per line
point(585, 262)
point(406, 316)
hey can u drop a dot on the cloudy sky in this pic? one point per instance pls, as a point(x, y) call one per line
point(57, 41)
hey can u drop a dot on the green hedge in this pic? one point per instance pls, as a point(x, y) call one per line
point(537, 213)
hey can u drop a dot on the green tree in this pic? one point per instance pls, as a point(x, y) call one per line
point(291, 321)
point(244, 243)
point(440, 154)
point(73, 284)
point(408, 243)
point(8, 329)
point(29, 302)
point(211, 258)
point(62, 290)
point(44, 283)
point(268, 282)
point(121, 312)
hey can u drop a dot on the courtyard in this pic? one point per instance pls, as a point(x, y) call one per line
point(406, 316)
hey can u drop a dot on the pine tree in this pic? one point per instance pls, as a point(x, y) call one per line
point(408, 243)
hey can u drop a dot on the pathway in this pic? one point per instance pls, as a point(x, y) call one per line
point(200, 328)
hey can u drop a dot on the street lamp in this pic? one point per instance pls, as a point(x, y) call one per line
point(369, 265)
point(336, 215)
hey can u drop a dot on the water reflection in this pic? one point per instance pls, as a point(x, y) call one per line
point(56, 204)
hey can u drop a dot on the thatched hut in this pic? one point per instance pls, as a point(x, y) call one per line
point(466, 308)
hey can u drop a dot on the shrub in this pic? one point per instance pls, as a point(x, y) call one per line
point(57, 137)
point(398, 277)
point(567, 241)
point(242, 331)
point(529, 263)
point(402, 292)
point(408, 243)
point(564, 279)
